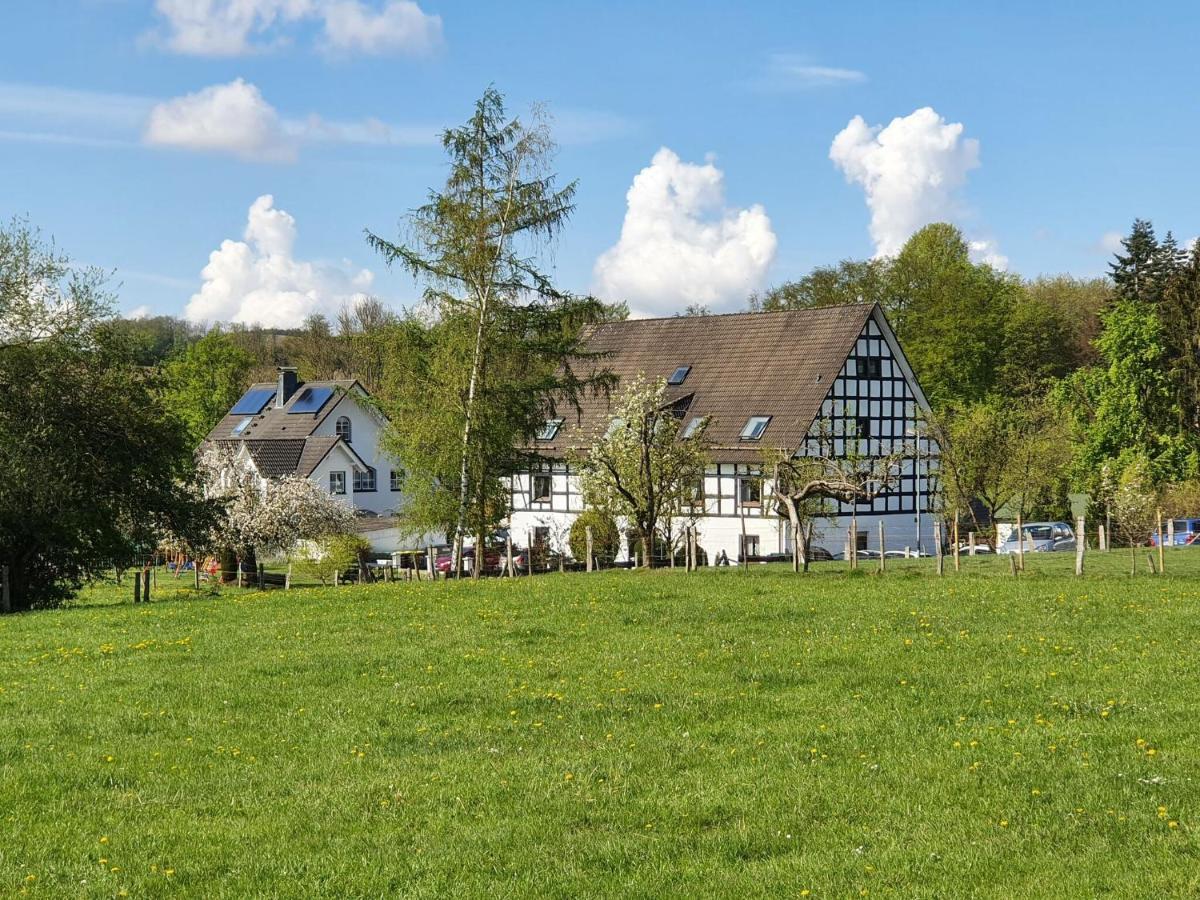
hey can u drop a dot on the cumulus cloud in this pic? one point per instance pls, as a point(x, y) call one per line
point(985, 250)
point(228, 118)
point(681, 245)
point(240, 27)
point(235, 118)
point(139, 312)
point(399, 27)
point(259, 280)
point(911, 172)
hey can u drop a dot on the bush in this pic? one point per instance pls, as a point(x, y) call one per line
point(340, 552)
point(606, 539)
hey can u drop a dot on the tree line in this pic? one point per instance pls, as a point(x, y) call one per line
point(1037, 387)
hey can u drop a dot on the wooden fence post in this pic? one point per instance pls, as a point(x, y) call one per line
point(1080, 545)
point(196, 573)
point(529, 552)
point(743, 557)
point(137, 586)
point(146, 586)
point(882, 549)
point(587, 531)
point(5, 591)
point(430, 567)
point(287, 578)
point(853, 540)
point(1012, 564)
point(937, 541)
point(1170, 532)
point(262, 576)
point(1103, 539)
point(970, 543)
point(1020, 544)
point(1159, 533)
point(956, 540)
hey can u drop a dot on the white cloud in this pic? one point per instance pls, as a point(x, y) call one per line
point(911, 172)
point(139, 312)
point(680, 244)
point(227, 118)
point(400, 26)
point(240, 27)
point(789, 72)
point(258, 279)
point(985, 250)
point(1110, 242)
point(235, 118)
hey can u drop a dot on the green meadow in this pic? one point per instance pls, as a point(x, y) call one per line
point(726, 733)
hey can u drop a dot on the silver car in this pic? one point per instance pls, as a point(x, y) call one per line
point(1040, 537)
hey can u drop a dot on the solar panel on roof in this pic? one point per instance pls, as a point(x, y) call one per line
point(253, 401)
point(311, 399)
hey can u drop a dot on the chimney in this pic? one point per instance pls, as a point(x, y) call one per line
point(288, 382)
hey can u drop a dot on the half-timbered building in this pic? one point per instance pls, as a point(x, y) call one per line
point(832, 380)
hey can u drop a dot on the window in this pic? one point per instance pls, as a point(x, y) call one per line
point(863, 427)
point(678, 376)
point(870, 367)
point(342, 428)
point(749, 546)
point(693, 494)
point(396, 479)
point(692, 427)
point(755, 426)
point(549, 430)
point(750, 491)
point(337, 482)
point(541, 488)
point(364, 481)
point(860, 540)
point(242, 425)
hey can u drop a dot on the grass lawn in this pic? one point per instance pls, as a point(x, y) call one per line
point(726, 733)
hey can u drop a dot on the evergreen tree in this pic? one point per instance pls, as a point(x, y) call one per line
point(1135, 273)
point(507, 345)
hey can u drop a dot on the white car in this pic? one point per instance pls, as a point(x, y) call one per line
point(1040, 537)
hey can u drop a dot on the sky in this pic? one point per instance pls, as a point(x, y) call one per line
point(223, 157)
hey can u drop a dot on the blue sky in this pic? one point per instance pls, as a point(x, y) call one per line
point(142, 135)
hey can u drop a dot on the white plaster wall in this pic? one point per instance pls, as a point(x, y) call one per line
point(365, 430)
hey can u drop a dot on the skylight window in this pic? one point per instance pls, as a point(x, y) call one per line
point(678, 376)
point(549, 430)
point(692, 427)
point(242, 425)
point(755, 426)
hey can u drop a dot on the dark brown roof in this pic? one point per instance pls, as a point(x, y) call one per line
point(777, 364)
point(281, 442)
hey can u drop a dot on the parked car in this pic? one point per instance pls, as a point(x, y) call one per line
point(1187, 534)
point(1039, 537)
point(964, 549)
point(493, 559)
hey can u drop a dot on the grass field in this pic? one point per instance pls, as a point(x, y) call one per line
point(726, 733)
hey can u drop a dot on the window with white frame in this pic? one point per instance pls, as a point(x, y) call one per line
point(755, 426)
point(692, 427)
point(396, 480)
point(364, 481)
point(549, 430)
point(342, 428)
point(337, 482)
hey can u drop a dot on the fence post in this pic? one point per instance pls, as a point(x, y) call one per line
point(5, 591)
point(854, 540)
point(1020, 543)
point(907, 550)
point(1170, 532)
point(937, 540)
point(1159, 533)
point(956, 540)
point(430, 568)
point(196, 573)
point(587, 531)
point(1103, 542)
point(262, 576)
point(137, 586)
point(882, 549)
point(146, 586)
point(743, 557)
point(1080, 545)
point(970, 543)
point(287, 578)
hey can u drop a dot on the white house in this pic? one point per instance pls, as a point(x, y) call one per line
point(777, 380)
point(321, 430)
